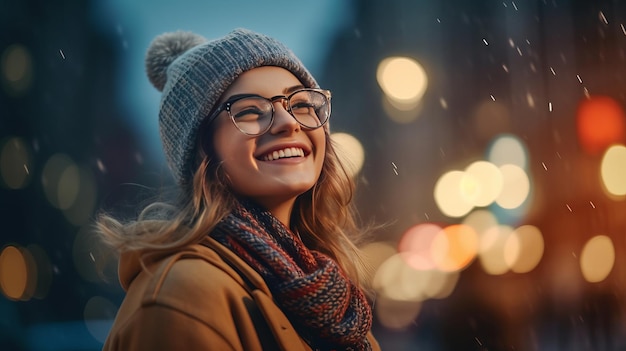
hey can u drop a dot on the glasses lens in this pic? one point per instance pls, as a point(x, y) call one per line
point(252, 115)
point(311, 108)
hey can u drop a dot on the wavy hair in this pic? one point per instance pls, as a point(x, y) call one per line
point(323, 216)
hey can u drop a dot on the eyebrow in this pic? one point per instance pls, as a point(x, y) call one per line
point(293, 88)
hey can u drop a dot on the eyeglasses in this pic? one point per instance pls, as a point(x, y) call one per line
point(254, 115)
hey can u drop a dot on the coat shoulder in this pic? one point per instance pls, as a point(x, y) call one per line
point(196, 290)
point(194, 281)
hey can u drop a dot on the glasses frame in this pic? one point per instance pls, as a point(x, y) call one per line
point(286, 101)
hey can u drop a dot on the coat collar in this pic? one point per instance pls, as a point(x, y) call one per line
point(133, 262)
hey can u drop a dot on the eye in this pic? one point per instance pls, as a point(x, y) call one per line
point(250, 113)
point(302, 106)
point(250, 109)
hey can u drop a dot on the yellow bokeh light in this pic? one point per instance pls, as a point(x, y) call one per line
point(524, 248)
point(597, 258)
point(485, 179)
point(508, 149)
point(455, 247)
point(15, 163)
point(492, 250)
point(396, 315)
point(441, 284)
point(60, 180)
point(69, 184)
point(515, 187)
point(396, 280)
point(13, 272)
point(402, 79)
point(17, 69)
point(410, 106)
point(401, 113)
point(613, 170)
point(481, 221)
point(350, 152)
point(469, 188)
point(448, 195)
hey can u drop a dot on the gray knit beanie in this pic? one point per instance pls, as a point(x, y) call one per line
point(193, 73)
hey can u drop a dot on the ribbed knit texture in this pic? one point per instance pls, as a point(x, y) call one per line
point(195, 79)
point(326, 308)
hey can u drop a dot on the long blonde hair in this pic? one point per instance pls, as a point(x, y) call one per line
point(323, 216)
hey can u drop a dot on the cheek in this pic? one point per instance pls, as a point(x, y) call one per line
point(227, 140)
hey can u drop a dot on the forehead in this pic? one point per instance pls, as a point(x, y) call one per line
point(264, 81)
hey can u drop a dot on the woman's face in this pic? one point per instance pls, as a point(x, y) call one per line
point(270, 182)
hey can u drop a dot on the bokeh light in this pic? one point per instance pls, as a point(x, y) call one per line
point(449, 196)
point(404, 82)
point(13, 272)
point(600, 122)
point(508, 149)
point(492, 250)
point(613, 170)
point(416, 245)
point(482, 183)
point(98, 314)
point(15, 163)
point(350, 152)
point(394, 314)
point(524, 248)
point(40, 271)
point(17, 70)
point(456, 192)
point(402, 79)
point(25, 272)
point(396, 280)
point(481, 221)
point(516, 187)
point(401, 113)
point(441, 284)
point(455, 247)
point(61, 181)
point(597, 258)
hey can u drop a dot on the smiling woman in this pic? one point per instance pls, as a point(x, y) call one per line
point(257, 254)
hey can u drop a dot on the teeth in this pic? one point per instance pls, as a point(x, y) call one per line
point(284, 153)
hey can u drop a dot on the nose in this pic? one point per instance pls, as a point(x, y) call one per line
point(283, 120)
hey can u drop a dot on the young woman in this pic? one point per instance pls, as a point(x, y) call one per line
point(257, 255)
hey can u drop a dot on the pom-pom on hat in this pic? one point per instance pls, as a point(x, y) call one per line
point(193, 73)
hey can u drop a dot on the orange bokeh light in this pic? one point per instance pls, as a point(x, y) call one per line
point(455, 247)
point(600, 123)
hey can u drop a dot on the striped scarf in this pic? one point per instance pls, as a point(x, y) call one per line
point(325, 307)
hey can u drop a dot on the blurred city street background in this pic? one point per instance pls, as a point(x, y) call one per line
point(489, 137)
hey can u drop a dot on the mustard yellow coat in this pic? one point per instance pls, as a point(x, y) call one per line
point(201, 298)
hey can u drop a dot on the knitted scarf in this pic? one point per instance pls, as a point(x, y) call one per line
point(325, 307)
